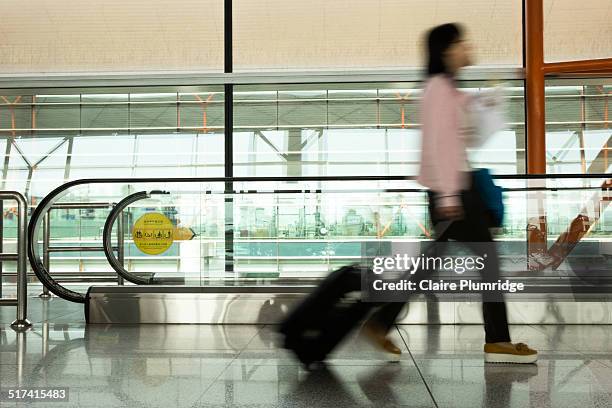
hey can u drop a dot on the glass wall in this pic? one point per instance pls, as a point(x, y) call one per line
point(282, 126)
point(49, 138)
point(578, 132)
point(303, 230)
point(310, 129)
point(354, 129)
point(55, 135)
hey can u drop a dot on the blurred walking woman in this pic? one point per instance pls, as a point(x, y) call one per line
point(453, 200)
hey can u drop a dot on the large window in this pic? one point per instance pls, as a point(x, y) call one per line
point(353, 129)
point(578, 134)
point(52, 138)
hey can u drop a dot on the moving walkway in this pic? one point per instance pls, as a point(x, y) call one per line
point(257, 244)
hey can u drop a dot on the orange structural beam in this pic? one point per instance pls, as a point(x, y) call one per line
point(12, 109)
point(534, 78)
point(536, 123)
point(582, 66)
point(34, 112)
point(535, 72)
point(204, 104)
point(402, 100)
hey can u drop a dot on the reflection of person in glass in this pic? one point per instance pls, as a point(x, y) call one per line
point(456, 208)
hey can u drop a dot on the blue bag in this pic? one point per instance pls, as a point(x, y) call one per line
point(491, 194)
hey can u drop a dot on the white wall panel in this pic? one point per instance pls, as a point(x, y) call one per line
point(38, 36)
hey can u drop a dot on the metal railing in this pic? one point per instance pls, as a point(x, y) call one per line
point(21, 301)
point(47, 249)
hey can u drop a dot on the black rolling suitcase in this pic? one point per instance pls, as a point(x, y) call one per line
point(325, 317)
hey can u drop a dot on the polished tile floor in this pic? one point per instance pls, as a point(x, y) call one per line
point(240, 365)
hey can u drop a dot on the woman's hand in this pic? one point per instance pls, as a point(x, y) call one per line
point(450, 213)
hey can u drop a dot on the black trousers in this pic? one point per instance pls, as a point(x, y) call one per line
point(473, 231)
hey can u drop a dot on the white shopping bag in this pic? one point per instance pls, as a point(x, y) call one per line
point(486, 112)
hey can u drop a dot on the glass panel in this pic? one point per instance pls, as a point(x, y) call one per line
point(41, 150)
point(320, 34)
point(57, 112)
point(353, 129)
point(202, 110)
point(112, 35)
point(165, 150)
point(16, 179)
point(44, 180)
point(111, 132)
point(48, 155)
point(578, 137)
point(15, 113)
point(285, 235)
point(210, 155)
point(106, 111)
point(154, 110)
point(102, 151)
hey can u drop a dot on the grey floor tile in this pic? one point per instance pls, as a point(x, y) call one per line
point(354, 350)
point(39, 310)
point(241, 365)
point(248, 384)
point(448, 339)
point(549, 383)
point(172, 337)
point(160, 381)
point(586, 338)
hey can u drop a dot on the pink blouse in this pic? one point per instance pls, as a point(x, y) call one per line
point(443, 157)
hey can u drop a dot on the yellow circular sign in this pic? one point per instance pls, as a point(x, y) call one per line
point(153, 233)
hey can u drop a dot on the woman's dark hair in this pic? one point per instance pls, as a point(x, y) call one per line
point(439, 39)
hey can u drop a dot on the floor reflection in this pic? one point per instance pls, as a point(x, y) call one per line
point(499, 380)
point(238, 365)
point(320, 387)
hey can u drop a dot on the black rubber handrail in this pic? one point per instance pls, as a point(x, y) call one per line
point(108, 244)
point(37, 215)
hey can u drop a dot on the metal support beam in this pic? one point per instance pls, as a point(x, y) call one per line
point(229, 136)
point(46, 256)
point(600, 163)
point(50, 152)
point(263, 137)
point(29, 181)
point(294, 157)
point(22, 154)
point(68, 158)
point(21, 323)
point(121, 244)
point(1, 241)
point(7, 156)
